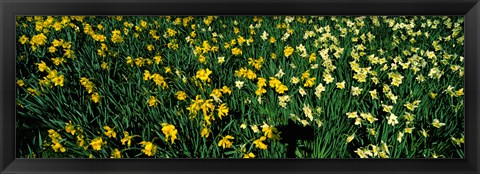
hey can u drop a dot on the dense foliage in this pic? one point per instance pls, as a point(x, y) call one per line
point(243, 86)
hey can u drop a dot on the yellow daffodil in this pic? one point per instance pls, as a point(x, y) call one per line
point(288, 51)
point(181, 95)
point(58, 80)
point(352, 114)
point(152, 101)
point(109, 132)
point(116, 154)
point(225, 142)
point(222, 110)
point(243, 126)
point(203, 74)
point(23, 39)
point(170, 132)
point(149, 148)
point(225, 90)
point(70, 128)
point(58, 60)
point(236, 51)
point(350, 138)
point(104, 65)
point(270, 132)
point(458, 141)
point(341, 85)
point(20, 83)
point(205, 132)
point(127, 138)
point(424, 133)
point(259, 143)
point(254, 128)
point(97, 143)
point(361, 153)
point(249, 155)
point(42, 66)
point(95, 97)
point(310, 82)
point(436, 123)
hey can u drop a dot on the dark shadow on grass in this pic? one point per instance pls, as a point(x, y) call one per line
point(293, 132)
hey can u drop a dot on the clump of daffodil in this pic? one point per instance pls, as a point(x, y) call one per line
point(56, 138)
point(396, 78)
point(81, 138)
point(58, 60)
point(116, 36)
point(70, 128)
point(42, 66)
point(372, 151)
point(155, 77)
point(261, 83)
point(38, 40)
point(89, 85)
point(53, 76)
point(208, 107)
point(283, 100)
point(257, 63)
point(450, 91)
point(318, 67)
point(309, 82)
point(358, 120)
point(369, 117)
point(319, 89)
point(277, 85)
point(245, 73)
point(169, 131)
point(195, 105)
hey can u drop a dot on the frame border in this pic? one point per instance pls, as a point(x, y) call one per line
point(470, 9)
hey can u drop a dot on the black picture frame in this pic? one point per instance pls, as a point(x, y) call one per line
point(10, 8)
